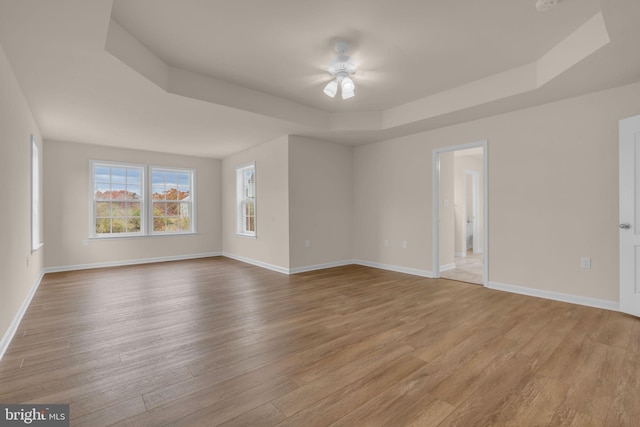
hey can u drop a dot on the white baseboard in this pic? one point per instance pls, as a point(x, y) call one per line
point(129, 262)
point(460, 254)
point(320, 266)
point(448, 267)
point(556, 296)
point(257, 263)
point(396, 268)
point(13, 327)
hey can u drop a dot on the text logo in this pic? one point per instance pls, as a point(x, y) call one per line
point(34, 415)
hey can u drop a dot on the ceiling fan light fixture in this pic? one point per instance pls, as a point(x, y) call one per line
point(545, 5)
point(346, 94)
point(347, 84)
point(341, 69)
point(331, 88)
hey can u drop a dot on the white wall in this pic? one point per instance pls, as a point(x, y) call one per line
point(462, 164)
point(553, 194)
point(321, 202)
point(19, 268)
point(271, 244)
point(67, 207)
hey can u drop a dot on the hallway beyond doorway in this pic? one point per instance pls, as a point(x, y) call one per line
point(468, 269)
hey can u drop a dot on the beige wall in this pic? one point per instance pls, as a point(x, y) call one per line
point(321, 202)
point(271, 245)
point(392, 203)
point(19, 268)
point(553, 193)
point(67, 183)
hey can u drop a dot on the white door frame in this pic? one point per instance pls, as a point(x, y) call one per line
point(629, 240)
point(435, 203)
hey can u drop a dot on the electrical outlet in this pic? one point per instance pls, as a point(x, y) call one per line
point(585, 262)
point(386, 243)
point(85, 243)
point(404, 244)
point(307, 243)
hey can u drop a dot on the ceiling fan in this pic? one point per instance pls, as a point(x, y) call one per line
point(341, 70)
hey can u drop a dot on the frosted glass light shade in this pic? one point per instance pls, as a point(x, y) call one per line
point(331, 88)
point(346, 94)
point(347, 85)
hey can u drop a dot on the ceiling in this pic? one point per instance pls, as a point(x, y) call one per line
point(211, 78)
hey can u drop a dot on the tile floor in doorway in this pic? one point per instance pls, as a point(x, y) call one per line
point(468, 269)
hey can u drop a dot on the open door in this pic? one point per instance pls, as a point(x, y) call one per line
point(630, 215)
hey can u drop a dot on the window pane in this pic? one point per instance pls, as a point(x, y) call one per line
point(133, 225)
point(118, 192)
point(119, 175)
point(134, 176)
point(171, 179)
point(118, 209)
point(103, 209)
point(133, 209)
point(249, 207)
point(185, 224)
point(103, 225)
point(133, 192)
point(183, 192)
point(173, 209)
point(171, 193)
point(158, 224)
point(172, 187)
point(118, 225)
point(184, 179)
point(158, 192)
point(103, 174)
point(102, 192)
point(246, 196)
point(159, 209)
point(185, 209)
point(114, 187)
point(172, 224)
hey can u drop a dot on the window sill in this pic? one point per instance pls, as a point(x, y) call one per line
point(247, 236)
point(141, 236)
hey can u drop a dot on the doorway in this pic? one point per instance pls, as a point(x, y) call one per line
point(460, 213)
point(629, 216)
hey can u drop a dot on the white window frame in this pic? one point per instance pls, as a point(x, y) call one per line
point(142, 200)
point(191, 201)
point(36, 196)
point(241, 228)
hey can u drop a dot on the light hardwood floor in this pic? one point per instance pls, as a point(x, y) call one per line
point(214, 341)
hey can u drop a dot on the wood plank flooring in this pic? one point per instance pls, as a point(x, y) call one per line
point(218, 342)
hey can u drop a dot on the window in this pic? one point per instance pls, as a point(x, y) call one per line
point(246, 199)
point(172, 198)
point(36, 242)
point(118, 199)
point(120, 208)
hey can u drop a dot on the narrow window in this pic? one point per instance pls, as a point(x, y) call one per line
point(36, 242)
point(118, 199)
point(246, 199)
point(173, 200)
